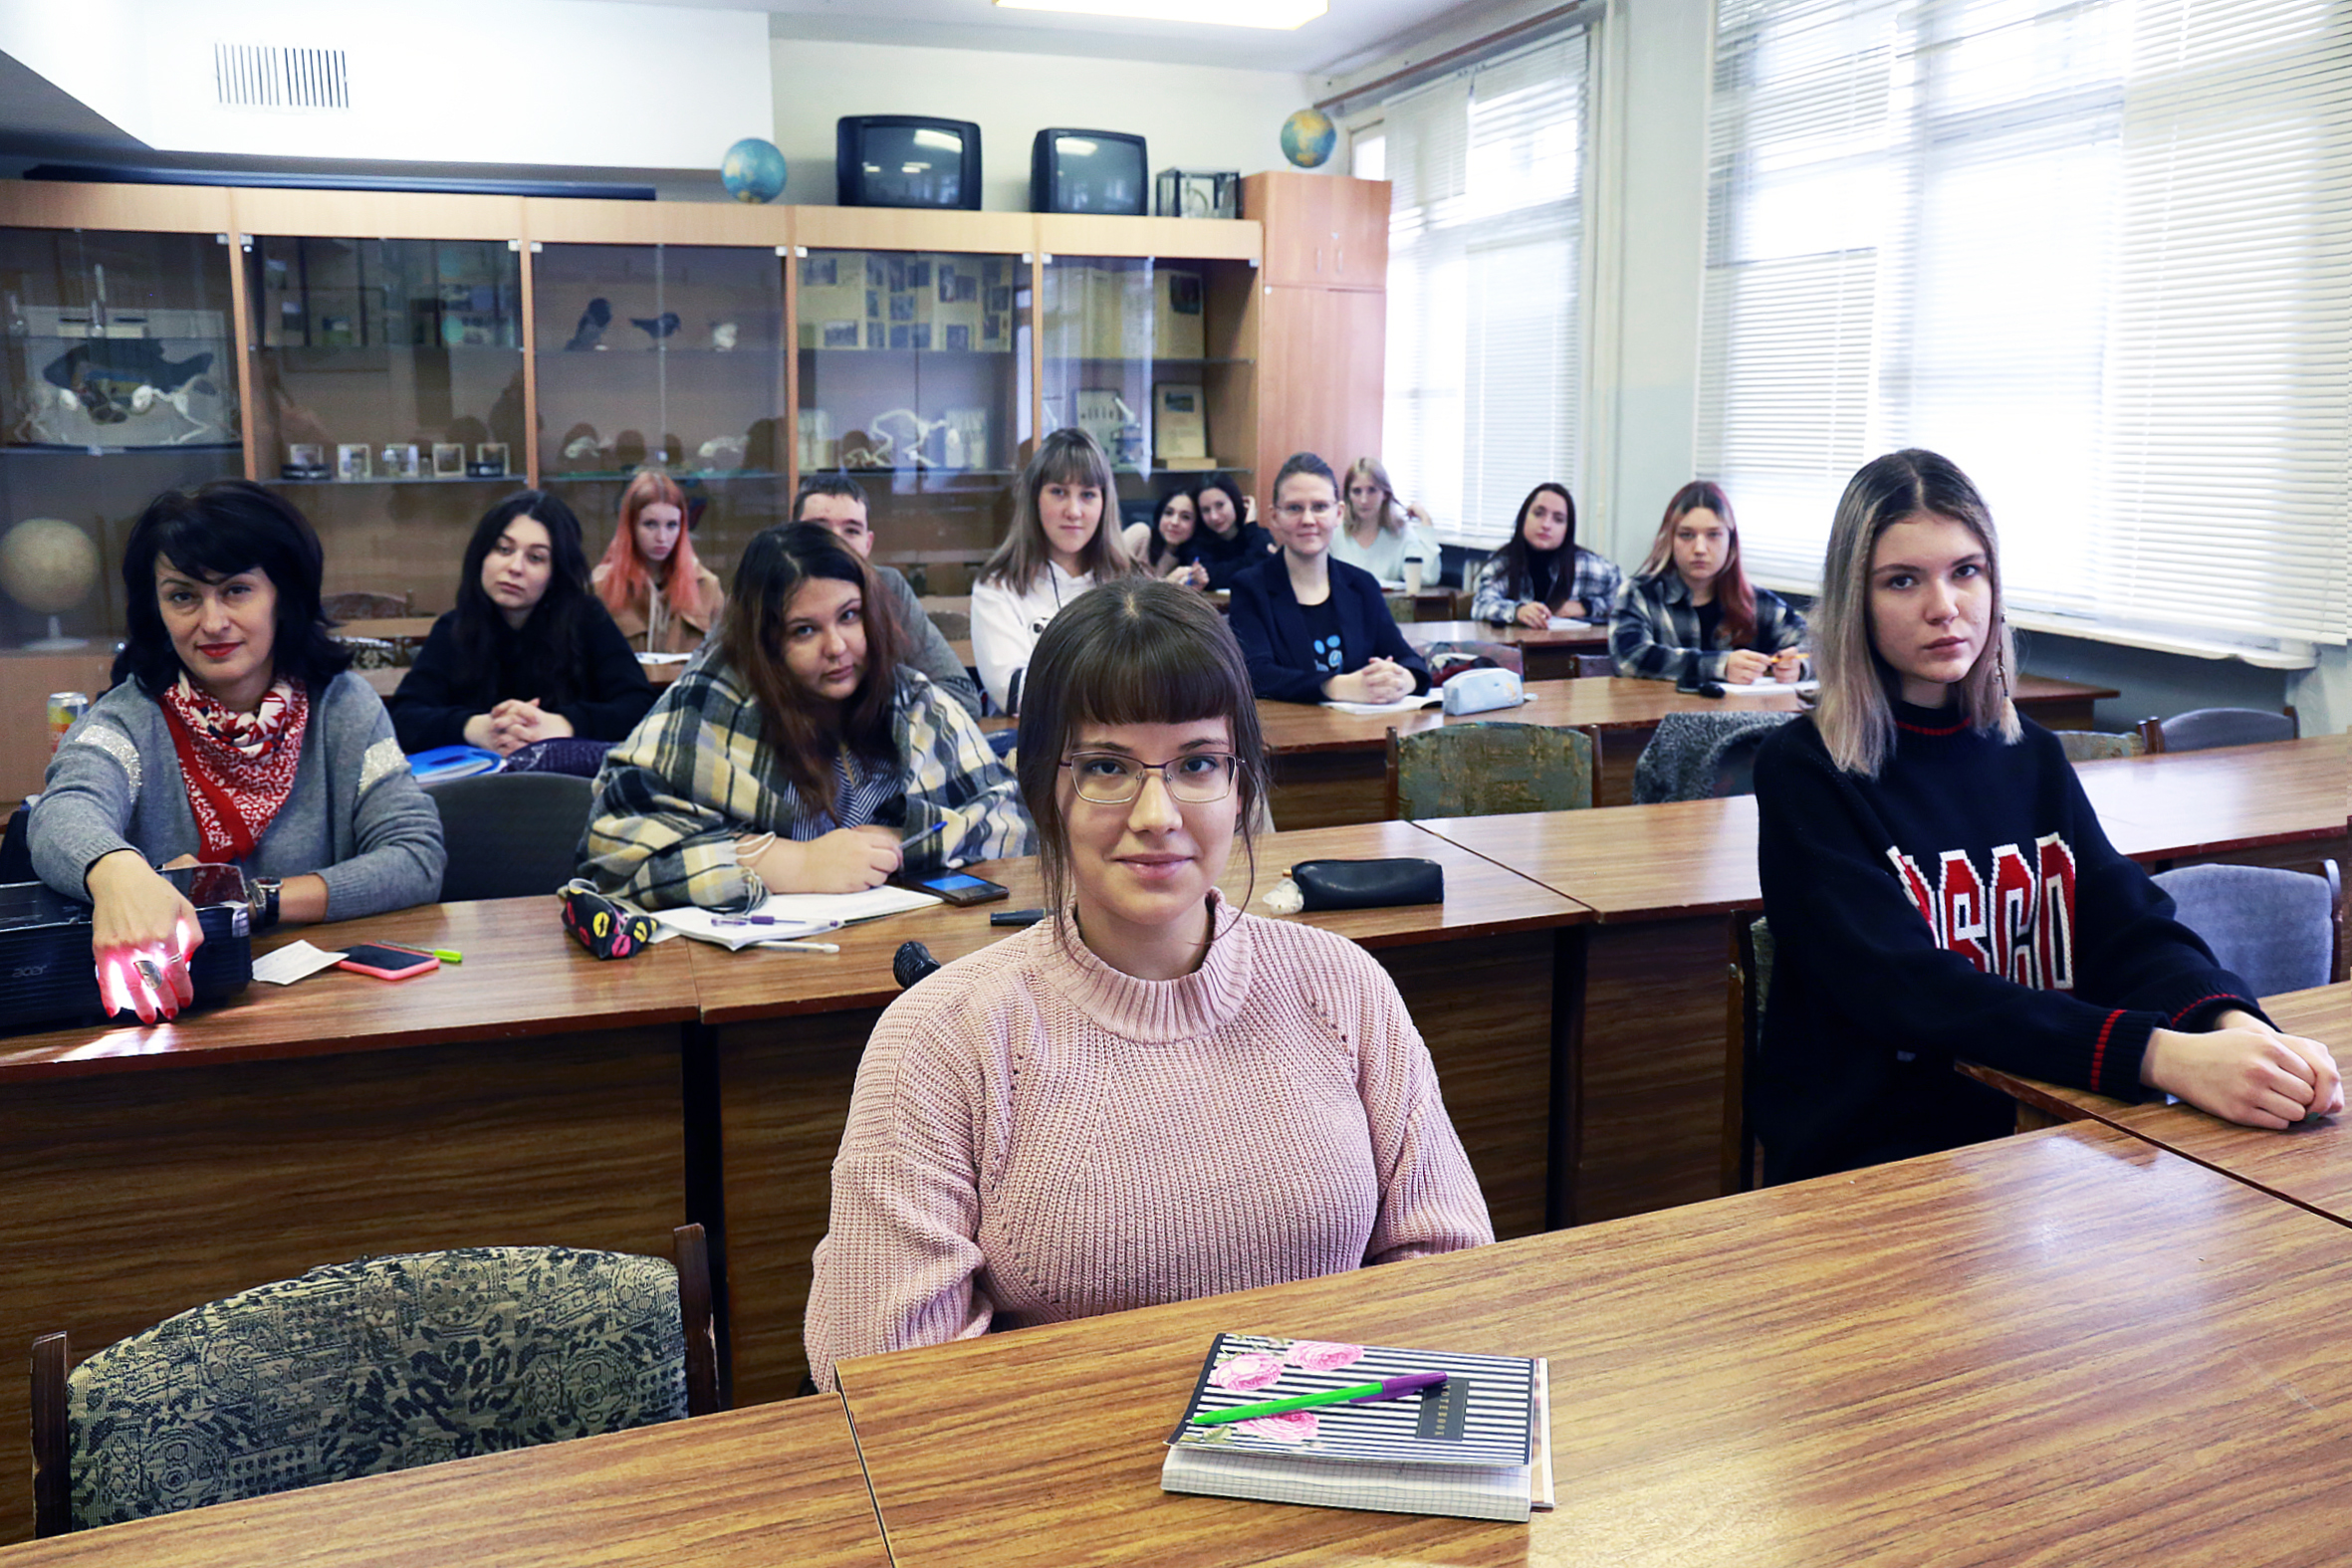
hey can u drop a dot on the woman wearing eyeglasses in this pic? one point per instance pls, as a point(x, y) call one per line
point(1151, 1097)
point(1314, 630)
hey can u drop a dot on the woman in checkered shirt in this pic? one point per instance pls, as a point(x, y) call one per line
point(1690, 613)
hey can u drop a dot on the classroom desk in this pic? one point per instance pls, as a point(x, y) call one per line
point(1478, 973)
point(749, 1488)
point(528, 1095)
point(2309, 1164)
point(386, 682)
point(2063, 1348)
point(1547, 654)
point(2285, 804)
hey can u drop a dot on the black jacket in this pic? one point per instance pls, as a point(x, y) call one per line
point(606, 693)
point(1272, 630)
point(1225, 559)
point(1964, 903)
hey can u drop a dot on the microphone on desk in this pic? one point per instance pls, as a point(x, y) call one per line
point(912, 962)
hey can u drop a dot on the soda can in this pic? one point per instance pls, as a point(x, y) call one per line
point(64, 709)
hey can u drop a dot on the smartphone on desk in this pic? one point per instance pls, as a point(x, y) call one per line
point(960, 888)
point(384, 962)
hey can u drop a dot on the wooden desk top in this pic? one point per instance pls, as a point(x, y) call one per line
point(1482, 899)
point(1421, 633)
point(522, 976)
point(774, 1483)
point(419, 628)
point(1600, 702)
point(2067, 1347)
point(1628, 862)
point(2230, 797)
point(2309, 1163)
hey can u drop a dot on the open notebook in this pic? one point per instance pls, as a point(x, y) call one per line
point(1479, 1448)
point(788, 916)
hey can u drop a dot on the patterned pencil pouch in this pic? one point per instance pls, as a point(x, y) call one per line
point(605, 926)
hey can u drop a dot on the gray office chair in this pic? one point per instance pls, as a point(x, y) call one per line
point(2275, 930)
point(2201, 729)
point(511, 835)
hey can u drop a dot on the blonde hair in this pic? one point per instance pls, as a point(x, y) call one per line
point(1856, 716)
point(1393, 518)
point(1067, 457)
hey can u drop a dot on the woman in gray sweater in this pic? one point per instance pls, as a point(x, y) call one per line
point(234, 734)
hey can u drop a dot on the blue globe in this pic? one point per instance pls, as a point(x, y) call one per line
point(753, 170)
point(1308, 139)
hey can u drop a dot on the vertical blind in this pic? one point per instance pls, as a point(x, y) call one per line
point(1485, 373)
point(2097, 252)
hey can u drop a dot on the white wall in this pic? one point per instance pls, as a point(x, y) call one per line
point(1193, 117)
point(488, 82)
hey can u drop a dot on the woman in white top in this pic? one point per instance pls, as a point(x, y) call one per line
point(1382, 532)
point(1055, 550)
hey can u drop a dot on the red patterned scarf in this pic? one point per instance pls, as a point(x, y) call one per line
point(239, 767)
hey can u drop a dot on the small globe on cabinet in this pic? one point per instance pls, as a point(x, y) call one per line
point(753, 170)
point(1308, 139)
point(48, 565)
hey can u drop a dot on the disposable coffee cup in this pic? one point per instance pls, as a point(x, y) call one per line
point(1413, 576)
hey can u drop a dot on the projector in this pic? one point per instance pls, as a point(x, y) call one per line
point(48, 980)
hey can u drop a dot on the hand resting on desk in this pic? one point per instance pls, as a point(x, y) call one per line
point(2245, 1071)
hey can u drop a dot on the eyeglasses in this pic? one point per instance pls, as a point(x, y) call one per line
point(1319, 510)
point(1108, 779)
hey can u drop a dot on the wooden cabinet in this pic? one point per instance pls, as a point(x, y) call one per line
point(1320, 353)
point(1321, 231)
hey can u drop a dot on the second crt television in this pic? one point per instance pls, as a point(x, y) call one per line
point(1090, 171)
point(907, 160)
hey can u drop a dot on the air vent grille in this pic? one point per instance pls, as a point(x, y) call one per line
point(265, 75)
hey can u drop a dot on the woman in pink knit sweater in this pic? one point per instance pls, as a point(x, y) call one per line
point(1153, 1096)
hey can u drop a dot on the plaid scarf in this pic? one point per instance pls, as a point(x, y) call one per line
point(239, 767)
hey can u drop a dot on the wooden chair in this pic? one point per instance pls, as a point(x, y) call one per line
point(1595, 664)
point(355, 1369)
point(954, 625)
point(1751, 984)
point(2091, 746)
point(2201, 729)
point(1488, 769)
point(364, 605)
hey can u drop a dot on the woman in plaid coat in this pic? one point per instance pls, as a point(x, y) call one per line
point(1691, 616)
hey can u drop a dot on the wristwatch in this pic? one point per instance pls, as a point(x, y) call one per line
point(263, 891)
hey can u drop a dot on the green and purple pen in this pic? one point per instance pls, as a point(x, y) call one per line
point(1353, 1394)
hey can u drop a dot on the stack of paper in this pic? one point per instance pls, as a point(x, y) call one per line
point(788, 916)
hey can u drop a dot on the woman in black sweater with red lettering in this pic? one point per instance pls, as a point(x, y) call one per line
point(1939, 886)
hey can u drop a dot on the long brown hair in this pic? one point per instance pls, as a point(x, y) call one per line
point(1067, 457)
point(1393, 518)
point(1137, 651)
point(1733, 592)
point(1519, 572)
point(628, 579)
point(801, 738)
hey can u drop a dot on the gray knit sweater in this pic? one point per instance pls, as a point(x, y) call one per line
point(356, 818)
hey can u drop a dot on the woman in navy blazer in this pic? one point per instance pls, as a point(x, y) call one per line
point(1313, 628)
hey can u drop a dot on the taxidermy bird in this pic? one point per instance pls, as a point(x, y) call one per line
point(656, 327)
point(593, 322)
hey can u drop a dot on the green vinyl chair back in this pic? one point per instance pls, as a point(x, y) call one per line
point(2093, 746)
point(1488, 769)
point(353, 1369)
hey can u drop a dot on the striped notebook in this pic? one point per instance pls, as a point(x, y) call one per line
point(1479, 1448)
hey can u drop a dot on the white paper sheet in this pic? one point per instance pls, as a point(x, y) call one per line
point(295, 961)
point(791, 916)
point(1401, 705)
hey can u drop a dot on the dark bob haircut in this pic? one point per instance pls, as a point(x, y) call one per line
point(1132, 651)
point(214, 532)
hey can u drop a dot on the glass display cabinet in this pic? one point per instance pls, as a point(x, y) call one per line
point(388, 398)
point(1151, 358)
point(914, 371)
point(118, 380)
point(664, 355)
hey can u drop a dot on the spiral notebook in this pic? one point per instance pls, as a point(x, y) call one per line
point(1479, 1448)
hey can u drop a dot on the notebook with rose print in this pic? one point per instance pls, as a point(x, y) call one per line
point(1479, 1448)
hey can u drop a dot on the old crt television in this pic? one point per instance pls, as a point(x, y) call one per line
point(1090, 171)
point(45, 949)
point(906, 160)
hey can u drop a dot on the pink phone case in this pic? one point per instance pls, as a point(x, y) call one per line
point(426, 965)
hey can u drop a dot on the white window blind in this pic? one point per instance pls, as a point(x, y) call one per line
point(2097, 252)
point(1485, 337)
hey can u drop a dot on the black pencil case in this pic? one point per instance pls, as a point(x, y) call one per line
point(1368, 884)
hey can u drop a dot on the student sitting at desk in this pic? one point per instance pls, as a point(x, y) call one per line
point(797, 756)
point(1230, 541)
point(234, 734)
point(528, 654)
point(1313, 628)
point(662, 598)
point(1939, 887)
point(1055, 550)
point(839, 502)
point(1152, 1095)
point(1691, 616)
point(1544, 571)
point(1168, 547)
point(1382, 532)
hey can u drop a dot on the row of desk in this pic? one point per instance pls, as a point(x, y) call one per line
point(1570, 987)
point(2073, 1346)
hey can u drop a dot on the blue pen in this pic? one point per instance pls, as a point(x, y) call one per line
point(906, 844)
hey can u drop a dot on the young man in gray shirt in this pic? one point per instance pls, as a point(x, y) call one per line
point(839, 504)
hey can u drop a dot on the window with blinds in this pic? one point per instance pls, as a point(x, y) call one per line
point(1485, 367)
point(2097, 252)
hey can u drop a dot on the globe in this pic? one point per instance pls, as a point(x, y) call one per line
point(48, 565)
point(753, 170)
point(1308, 139)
